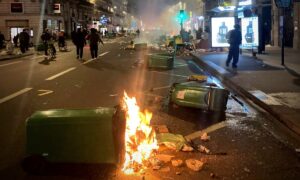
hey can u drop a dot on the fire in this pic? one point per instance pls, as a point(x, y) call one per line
point(140, 138)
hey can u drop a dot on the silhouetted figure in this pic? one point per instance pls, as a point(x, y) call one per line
point(1, 40)
point(94, 39)
point(15, 40)
point(46, 36)
point(79, 42)
point(234, 39)
point(24, 40)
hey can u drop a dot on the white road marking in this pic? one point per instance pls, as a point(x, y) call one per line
point(170, 74)
point(60, 74)
point(103, 54)
point(44, 92)
point(7, 98)
point(90, 60)
point(2, 65)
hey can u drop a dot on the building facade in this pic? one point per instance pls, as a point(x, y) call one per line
point(37, 15)
point(291, 24)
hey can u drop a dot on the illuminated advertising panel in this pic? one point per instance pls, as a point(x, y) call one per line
point(249, 32)
point(245, 2)
point(220, 26)
point(56, 8)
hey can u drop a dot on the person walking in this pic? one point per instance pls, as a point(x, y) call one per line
point(61, 41)
point(80, 42)
point(27, 39)
point(94, 39)
point(1, 40)
point(234, 39)
point(23, 40)
point(15, 40)
point(46, 36)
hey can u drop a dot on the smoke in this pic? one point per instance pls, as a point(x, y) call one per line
point(157, 13)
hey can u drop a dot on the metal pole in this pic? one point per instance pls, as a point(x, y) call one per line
point(282, 38)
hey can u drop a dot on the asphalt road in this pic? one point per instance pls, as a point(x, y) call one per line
point(250, 140)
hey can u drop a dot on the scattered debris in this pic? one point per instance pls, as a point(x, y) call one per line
point(164, 157)
point(161, 128)
point(247, 170)
point(158, 99)
point(129, 47)
point(194, 164)
point(187, 148)
point(205, 137)
point(172, 141)
point(155, 162)
point(113, 95)
point(178, 173)
point(156, 167)
point(203, 149)
point(165, 169)
point(177, 163)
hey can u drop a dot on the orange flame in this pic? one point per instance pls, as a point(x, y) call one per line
point(140, 139)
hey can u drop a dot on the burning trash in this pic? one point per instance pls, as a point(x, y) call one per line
point(140, 138)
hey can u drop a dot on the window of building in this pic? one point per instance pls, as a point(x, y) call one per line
point(16, 7)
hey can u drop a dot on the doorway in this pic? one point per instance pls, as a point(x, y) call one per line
point(14, 31)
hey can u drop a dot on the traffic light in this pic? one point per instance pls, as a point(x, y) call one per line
point(182, 16)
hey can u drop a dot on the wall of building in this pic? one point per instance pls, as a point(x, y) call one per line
point(296, 25)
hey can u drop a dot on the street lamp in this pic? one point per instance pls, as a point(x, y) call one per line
point(283, 4)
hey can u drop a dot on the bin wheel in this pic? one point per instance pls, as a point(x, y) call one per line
point(35, 164)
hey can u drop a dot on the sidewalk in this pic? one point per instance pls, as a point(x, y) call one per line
point(16, 54)
point(273, 87)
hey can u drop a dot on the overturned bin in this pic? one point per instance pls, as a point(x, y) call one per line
point(200, 95)
point(161, 61)
point(91, 136)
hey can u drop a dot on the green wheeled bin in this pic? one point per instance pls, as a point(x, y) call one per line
point(161, 61)
point(199, 95)
point(91, 136)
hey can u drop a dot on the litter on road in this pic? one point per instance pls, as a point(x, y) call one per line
point(172, 141)
point(194, 164)
point(177, 163)
point(203, 149)
point(164, 158)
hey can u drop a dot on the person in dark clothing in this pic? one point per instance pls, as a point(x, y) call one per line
point(24, 38)
point(1, 40)
point(27, 40)
point(73, 37)
point(61, 40)
point(15, 40)
point(94, 39)
point(80, 43)
point(234, 39)
point(46, 36)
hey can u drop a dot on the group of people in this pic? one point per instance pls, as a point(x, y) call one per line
point(23, 39)
point(80, 39)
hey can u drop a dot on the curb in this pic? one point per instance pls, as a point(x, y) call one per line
point(16, 56)
point(244, 93)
